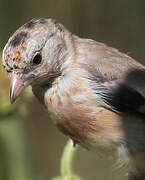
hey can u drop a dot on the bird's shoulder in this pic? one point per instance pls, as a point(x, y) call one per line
point(99, 57)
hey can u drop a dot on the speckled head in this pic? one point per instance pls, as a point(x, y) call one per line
point(34, 51)
point(26, 42)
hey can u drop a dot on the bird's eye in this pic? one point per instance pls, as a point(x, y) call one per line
point(37, 59)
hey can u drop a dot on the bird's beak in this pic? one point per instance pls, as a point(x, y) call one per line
point(17, 84)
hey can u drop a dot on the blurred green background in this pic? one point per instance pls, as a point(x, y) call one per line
point(30, 145)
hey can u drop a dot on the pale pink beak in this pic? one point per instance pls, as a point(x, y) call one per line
point(17, 84)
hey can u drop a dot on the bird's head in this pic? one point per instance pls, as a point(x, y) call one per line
point(34, 53)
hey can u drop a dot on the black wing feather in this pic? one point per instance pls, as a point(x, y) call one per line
point(120, 98)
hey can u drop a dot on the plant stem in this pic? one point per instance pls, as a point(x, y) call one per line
point(67, 159)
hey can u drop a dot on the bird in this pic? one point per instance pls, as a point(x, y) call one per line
point(93, 93)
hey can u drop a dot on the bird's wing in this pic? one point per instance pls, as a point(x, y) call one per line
point(120, 98)
point(117, 78)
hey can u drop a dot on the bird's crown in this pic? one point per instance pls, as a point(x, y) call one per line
point(28, 38)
